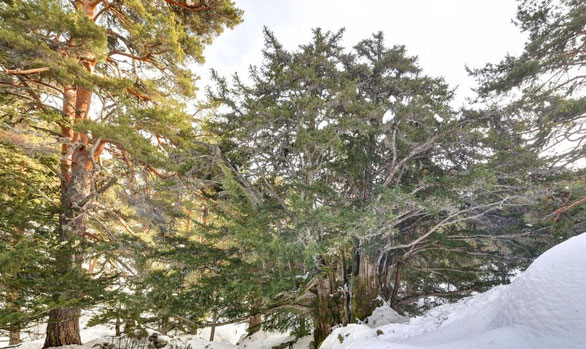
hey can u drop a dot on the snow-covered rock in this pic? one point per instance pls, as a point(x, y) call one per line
point(385, 315)
point(544, 308)
point(344, 337)
point(158, 340)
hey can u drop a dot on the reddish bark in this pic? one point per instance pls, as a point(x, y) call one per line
point(14, 336)
point(63, 327)
point(76, 177)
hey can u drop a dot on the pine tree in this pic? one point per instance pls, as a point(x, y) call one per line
point(109, 77)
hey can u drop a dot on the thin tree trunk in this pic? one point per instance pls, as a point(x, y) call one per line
point(385, 275)
point(346, 283)
point(394, 300)
point(92, 266)
point(213, 328)
point(164, 328)
point(117, 330)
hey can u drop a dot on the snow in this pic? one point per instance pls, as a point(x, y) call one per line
point(388, 116)
point(543, 308)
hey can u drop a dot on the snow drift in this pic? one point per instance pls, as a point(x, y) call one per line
point(544, 308)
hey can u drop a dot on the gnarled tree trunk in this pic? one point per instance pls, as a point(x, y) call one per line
point(329, 307)
point(367, 288)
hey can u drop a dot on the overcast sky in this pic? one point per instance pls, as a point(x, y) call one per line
point(446, 35)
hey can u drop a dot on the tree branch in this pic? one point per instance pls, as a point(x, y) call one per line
point(189, 8)
point(25, 72)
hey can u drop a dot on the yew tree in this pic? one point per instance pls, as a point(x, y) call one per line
point(102, 81)
point(358, 158)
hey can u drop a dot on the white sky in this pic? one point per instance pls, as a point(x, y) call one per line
point(446, 35)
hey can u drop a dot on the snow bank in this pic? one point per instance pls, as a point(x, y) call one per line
point(544, 308)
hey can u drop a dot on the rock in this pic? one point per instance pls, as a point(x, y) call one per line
point(158, 340)
point(385, 315)
point(104, 345)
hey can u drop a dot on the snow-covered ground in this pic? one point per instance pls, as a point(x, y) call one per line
point(544, 308)
point(226, 337)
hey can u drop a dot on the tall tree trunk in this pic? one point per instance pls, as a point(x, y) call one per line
point(76, 178)
point(117, 330)
point(63, 324)
point(366, 289)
